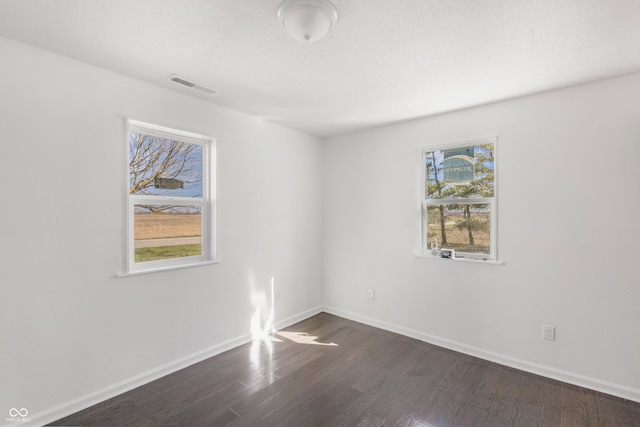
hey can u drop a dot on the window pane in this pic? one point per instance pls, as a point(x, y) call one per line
point(163, 232)
point(164, 167)
point(463, 227)
point(463, 172)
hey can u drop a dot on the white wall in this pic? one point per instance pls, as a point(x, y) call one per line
point(70, 331)
point(568, 210)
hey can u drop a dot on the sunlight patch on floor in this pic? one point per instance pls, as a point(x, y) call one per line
point(268, 333)
point(302, 338)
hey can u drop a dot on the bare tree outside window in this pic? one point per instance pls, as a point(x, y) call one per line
point(153, 157)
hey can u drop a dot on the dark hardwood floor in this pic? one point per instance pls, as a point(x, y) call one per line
point(370, 377)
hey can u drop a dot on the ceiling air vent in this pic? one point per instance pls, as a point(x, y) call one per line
point(192, 85)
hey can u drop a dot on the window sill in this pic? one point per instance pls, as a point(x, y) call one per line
point(469, 260)
point(168, 268)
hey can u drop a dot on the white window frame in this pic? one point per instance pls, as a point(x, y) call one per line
point(425, 250)
point(207, 202)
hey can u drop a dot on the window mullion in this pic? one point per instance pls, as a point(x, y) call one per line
point(166, 200)
point(456, 201)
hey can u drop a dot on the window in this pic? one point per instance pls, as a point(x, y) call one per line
point(170, 198)
point(459, 205)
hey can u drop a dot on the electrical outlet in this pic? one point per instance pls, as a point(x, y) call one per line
point(370, 293)
point(549, 332)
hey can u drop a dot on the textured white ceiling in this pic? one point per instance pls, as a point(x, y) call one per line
point(384, 61)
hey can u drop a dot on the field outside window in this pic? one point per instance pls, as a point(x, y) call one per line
point(162, 232)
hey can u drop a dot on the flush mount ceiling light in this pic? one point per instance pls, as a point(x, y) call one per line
point(307, 20)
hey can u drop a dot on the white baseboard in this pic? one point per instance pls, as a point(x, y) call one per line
point(298, 317)
point(523, 365)
point(113, 390)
